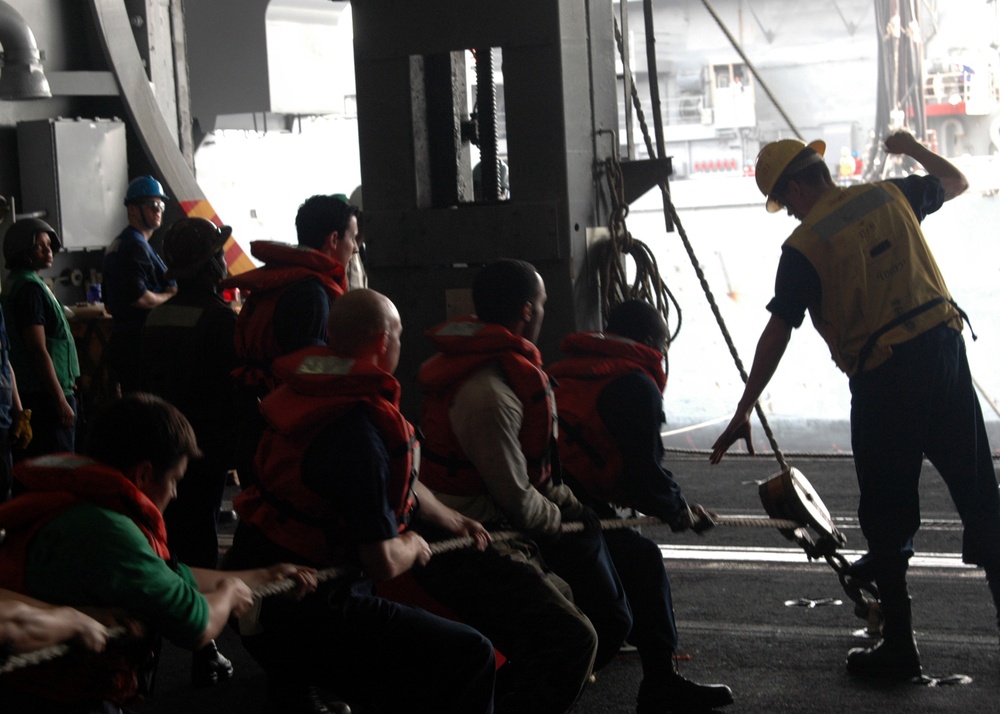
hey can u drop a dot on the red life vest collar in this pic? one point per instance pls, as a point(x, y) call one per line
point(466, 346)
point(587, 451)
point(598, 344)
point(475, 342)
point(71, 479)
point(286, 266)
point(319, 388)
point(284, 263)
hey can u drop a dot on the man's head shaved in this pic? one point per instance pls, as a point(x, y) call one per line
point(358, 318)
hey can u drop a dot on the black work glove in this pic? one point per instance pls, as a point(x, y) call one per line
point(591, 521)
point(695, 518)
point(580, 514)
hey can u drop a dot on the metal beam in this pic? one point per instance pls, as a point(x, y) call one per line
point(119, 46)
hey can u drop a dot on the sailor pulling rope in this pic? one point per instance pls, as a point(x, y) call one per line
point(53, 652)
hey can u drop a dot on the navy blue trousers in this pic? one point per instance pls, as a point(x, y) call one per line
point(584, 561)
point(389, 657)
point(922, 402)
point(640, 567)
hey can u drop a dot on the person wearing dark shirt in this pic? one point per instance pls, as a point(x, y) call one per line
point(609, 396)
point(489, 444)
point(43, 352)
point(187, 355)
point(134, 279)
point(15, 422)
point(288, 305)
point(336, 487)
point(860, 265)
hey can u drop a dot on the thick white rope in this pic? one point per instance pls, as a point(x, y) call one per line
point(47, 654)
point(446, 546)
point(53, 652)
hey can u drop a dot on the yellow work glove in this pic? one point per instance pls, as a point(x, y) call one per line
point(20, 429)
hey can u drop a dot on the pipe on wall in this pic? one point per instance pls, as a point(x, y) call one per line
point(22, 76)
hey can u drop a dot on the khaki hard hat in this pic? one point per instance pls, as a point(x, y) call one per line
point(781, 157)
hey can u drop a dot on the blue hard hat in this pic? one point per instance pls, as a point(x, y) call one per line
point(144, 187)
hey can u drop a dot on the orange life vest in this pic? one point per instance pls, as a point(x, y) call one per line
point(284, 266)
point(587, 450)
point(55, 484)
point(465, 346)
point(318, 387)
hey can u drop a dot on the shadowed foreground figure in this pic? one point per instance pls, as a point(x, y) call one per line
point(187, 356)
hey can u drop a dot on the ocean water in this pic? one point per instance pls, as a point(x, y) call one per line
point(737, 243)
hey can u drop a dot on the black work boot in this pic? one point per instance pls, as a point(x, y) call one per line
point(895, 656)
point(993, 579)
point(320, 702)
point(674, 693)
point(209, 667)
point(284, 697)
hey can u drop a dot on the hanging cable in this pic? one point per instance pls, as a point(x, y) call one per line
point(701, 277)
point(864, 594)
point(612, 256)
point(900, 88)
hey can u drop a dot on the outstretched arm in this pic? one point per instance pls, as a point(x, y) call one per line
point(227, 595)
point(386, 559)
point(148, 300)
point(433, 511)
point(28, 624)
point(770, 349)
point(952, 180)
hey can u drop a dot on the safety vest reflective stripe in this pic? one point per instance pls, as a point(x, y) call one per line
point(168, 315)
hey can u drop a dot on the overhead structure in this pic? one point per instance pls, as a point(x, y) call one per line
point(426, 235)
point(147, 119)
point(280, 59)
point(22, 76)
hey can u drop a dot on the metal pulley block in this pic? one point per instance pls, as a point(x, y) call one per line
point(789, 495)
